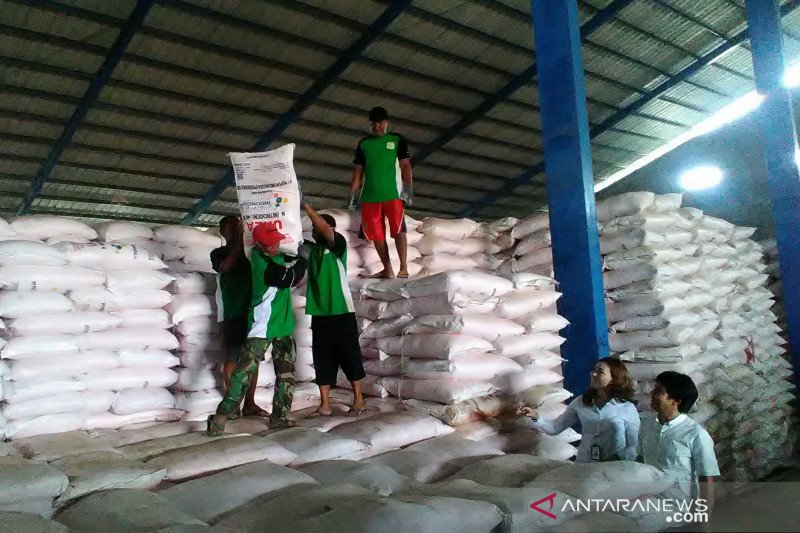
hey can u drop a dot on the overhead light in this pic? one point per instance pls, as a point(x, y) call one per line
point(699, 178)
point(730, 113)
point(791, 76)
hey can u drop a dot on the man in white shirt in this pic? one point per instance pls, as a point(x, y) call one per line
point(676, 444)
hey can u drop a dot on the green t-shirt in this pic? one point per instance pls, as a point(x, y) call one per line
point(234, 289)
point(380, 157)
point(270, 308)
point(327, 292)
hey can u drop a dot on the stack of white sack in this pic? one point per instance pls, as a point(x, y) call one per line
point(194, 246)
point(85, 341)
point(463, 345)
point(531, 250)
point(142, 236)
point(193, 312)
point(460, 244)
point(500, 232)
point(687, 292)
point(774, 285)
point(362, 259)
point(751, 391)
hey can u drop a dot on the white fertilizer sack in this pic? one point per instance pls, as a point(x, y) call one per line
point(266, 186)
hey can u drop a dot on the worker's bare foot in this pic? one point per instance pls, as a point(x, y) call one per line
point(357, 408)
point(254, 410)
point(383, 274)
point(403, 273)
point(321, 411)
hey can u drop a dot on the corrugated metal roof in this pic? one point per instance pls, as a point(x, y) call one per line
point(202, 78)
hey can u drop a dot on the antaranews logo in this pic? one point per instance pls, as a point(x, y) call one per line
point(551, 500)
point(674, 511)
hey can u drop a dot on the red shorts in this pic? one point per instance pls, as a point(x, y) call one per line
point(372, 215)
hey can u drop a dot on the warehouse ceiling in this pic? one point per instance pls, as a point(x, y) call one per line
point(148, 138)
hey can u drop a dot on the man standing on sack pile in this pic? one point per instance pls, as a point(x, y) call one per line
point(333, 320)
point(383, 175)
point(234, 292)
point(270, 322)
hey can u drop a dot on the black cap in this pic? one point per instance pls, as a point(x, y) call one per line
point(378, 114)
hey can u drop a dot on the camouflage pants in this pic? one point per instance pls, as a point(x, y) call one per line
point(283, 357)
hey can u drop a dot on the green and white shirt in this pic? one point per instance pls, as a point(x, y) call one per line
point(380, 157)
point(328, 293)
point(234, 290)
point(271, 306)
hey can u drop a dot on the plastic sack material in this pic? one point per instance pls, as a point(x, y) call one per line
point(186, 237)
point(108, 300)
point(266, 186)
point(184, 306)
point(455, 282)
point(110, 256)
point(524, 301)
point(436, 390)
point(30, 253)
point(194, 283)
point(441, 304)
point(133, 401)
point(433, 346)
point(470, 366)
point(123, 378)
point(61, 367)
point(48, 278)
point(62, 323)
point(449, 229)
point(144, 318)
point(485, 327)
point(533, 223)
point(523, 344)
point(41, 227)
point(165, 252)
point(128, 339)
point(138, 280)
point(117, 230)
point(19, 304)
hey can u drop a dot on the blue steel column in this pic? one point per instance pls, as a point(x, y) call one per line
point(570, 187)
point(780, 143)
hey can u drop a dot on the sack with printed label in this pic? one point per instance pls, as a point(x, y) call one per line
point(266, 186)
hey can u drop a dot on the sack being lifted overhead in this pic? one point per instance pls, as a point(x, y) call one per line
point(266, 186)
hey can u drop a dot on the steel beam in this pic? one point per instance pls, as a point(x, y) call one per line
point(570, 188)
point(516, 83)
point(612, 121)
point(780, 148)
point(98, 81)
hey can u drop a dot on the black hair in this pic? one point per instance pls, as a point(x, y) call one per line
point(680, 388)
point(227, 219)
point(330, 220)
point(378, 114)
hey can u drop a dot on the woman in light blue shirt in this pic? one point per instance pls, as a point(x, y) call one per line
point(607, 413)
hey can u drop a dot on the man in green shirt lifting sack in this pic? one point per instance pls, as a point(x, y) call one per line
point(270, 322)
point(334, 331)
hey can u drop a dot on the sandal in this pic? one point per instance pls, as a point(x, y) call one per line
point(214, 429)
point(317, 414)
